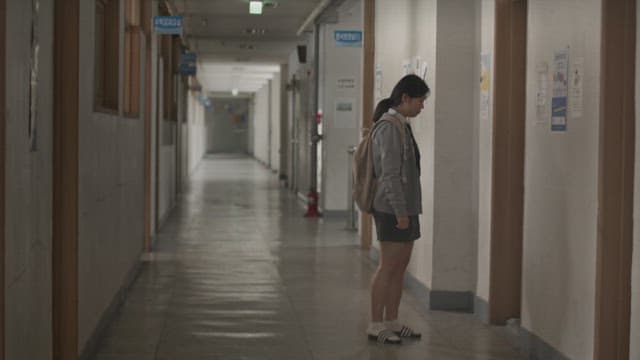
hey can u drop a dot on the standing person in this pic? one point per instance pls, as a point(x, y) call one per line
point(396, 205)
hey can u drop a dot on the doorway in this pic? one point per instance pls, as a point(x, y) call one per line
point(507, 211)
point(65, 179)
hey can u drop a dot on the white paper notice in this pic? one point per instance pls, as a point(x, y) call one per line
point(406, 67)
point(560, 90)
point(346, 83)
point(378, 82)
point(576, 89)
point(345, 113)
point(542, 112)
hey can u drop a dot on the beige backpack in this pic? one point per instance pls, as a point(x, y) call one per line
point(364, 180)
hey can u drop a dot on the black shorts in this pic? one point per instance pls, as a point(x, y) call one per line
point(387, 230)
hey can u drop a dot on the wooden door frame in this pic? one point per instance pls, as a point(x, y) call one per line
point(615, 180)
point(147, 4)
point(368, 79)
point(3, 37)
point(65, 179)
point(509, 113)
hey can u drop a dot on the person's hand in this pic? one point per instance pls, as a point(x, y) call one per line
point(403, 222)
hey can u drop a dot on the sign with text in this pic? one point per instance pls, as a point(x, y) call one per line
point(347, 38)
point(188, 63)
point(167, 25)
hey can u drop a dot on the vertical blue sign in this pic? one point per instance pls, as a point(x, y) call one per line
point(347, 38)
point(188, 63)
point(168, 25)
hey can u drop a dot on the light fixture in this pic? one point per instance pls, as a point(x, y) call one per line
point(234, 92)
point(255, 7)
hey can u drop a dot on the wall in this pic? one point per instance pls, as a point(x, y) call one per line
point(442, 34)
point(197, 130)
point(261, 119)
point(28, 188)
point(635, 284)
point(485, 150)
point(394, 27)
point(560, 223)
point(276, 120)
point(339, 63)
point(227, 126)
point(299, 118)
point(111, 192)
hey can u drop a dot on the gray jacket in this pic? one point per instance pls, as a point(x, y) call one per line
point(398, 191)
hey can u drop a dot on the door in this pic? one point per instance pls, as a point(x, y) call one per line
point(507, 209)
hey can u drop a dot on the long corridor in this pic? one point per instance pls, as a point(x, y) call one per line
point(238, 273)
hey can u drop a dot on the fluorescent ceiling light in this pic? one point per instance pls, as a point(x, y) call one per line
point(255, 7)
point(234, 92)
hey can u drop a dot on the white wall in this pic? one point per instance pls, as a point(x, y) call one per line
point(485, 152)
point(635, 284)
point(197, 132)
point(442, 33)
point(276, 120)
point(395, 27)
point(28, 187)
point(339, 63)
point(560, 212)
point(111, 192)
point(261, 119)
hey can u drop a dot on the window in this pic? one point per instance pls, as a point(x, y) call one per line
point(107, 60)
point(132, 73)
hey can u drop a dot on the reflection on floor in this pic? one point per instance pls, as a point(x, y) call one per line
point(238, 273)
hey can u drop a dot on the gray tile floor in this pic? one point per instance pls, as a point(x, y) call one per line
point(238, 273)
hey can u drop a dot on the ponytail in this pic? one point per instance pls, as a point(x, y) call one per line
point(382, 107)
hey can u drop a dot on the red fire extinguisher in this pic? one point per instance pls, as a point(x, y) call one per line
point(312, 204)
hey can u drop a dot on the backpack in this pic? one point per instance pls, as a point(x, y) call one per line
point(364, 179)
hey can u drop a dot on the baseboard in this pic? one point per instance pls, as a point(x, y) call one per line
point(335, 214)
point(109, 314)
point(455, 301)
point(531, 346)
point(481, 309)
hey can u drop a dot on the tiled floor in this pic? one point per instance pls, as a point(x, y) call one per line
point(238, 273)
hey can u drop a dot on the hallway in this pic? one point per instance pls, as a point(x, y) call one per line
point(238, 273)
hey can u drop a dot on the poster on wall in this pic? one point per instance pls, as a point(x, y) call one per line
point(406, 67)
point(576, 88)
point(378, 82)
point(542, 73)
point(560, 90)
point(345, 115)
point(346, 83)
point(485, 87)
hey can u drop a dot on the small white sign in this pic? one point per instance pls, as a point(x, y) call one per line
point(345, 111)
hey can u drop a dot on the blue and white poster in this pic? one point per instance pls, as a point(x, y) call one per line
point(560, 90)
point(347, 38)
point(167, 25)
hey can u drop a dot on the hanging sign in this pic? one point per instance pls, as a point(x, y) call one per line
point(168, 25)
point(188, 63)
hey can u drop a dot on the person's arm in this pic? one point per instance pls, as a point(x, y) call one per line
point(389, 143)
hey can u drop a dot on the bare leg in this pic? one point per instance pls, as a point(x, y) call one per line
point(393, 256)
point(397, 282)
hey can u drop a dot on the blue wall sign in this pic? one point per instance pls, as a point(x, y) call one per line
point(347, 38)
point(169, 25)
point(188, 63)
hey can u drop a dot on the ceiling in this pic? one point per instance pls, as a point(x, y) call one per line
point(237, 50)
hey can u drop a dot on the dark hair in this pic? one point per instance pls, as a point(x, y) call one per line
point(412, 85)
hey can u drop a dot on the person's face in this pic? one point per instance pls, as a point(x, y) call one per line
point(412, 106)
